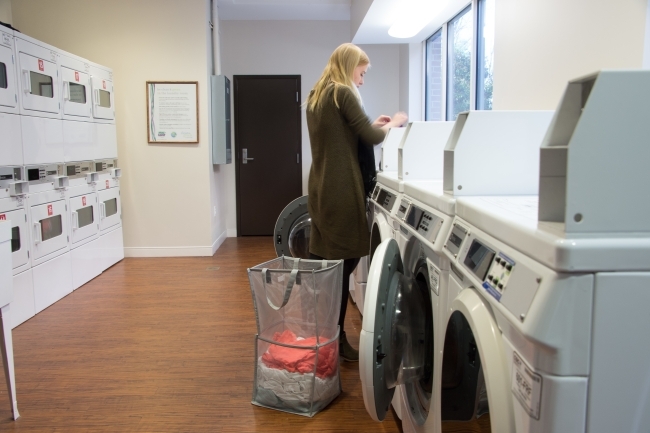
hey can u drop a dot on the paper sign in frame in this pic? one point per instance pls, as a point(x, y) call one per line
point(152, 109)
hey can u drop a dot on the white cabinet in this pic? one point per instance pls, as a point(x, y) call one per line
point(49, 229)
point(8, 93)
point(83, 217)
point(39, 84)
point(102, 98)
point(76, 93)
point(110, 209)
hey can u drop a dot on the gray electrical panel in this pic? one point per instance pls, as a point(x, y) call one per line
point(220, 100)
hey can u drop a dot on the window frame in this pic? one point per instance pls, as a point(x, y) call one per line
point(473, 6)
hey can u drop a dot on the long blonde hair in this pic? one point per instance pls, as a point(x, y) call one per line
point(339, 72)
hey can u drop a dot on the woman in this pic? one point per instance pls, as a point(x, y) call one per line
point(337, 125)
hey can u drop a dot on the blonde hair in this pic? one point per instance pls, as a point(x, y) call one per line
point(338, 72)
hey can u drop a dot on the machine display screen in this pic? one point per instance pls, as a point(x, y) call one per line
point(51, 227)
point(414, 217)
point(71, 170)
point(3, 76)
point(104, 99)
point(33, 174)
point(77, 93)
point(99, 166)
point(41, 84)
point(85, 215)
point(15, 239)
point(111, 207)
point(478, 259)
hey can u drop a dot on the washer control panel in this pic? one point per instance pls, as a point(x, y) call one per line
point(424, 223)
point(384, 199)
point(499, 273)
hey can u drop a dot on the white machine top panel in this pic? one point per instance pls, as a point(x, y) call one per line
point(389, 179)
point(430, 192)
point(389, 149)
point(514, 221)
point(5, 231)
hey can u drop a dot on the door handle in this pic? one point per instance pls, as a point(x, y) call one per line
point(244, 156)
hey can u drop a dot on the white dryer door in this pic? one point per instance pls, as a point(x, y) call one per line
point(76, 91)
point(83, 217)
point(102, 98)
point(50, 228)
point(396, 344)
point(19, 236)
point(475, 380)
point(7, 78)
point(379, 232)
point(39, 83)
point(110, 208)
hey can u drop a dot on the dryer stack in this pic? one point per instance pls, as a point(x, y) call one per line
point(58, 130)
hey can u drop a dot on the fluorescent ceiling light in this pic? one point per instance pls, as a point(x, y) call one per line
point(414, 15)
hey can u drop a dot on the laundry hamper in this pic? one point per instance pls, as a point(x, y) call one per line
point(297, 305)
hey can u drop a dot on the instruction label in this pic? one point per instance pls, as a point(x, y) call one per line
point(526, 386)
point(434, 276)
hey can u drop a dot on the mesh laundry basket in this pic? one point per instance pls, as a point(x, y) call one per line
point(297, 305)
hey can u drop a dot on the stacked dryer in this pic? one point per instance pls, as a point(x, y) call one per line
point(58, 123)
point(560, 281)
point(411, 282)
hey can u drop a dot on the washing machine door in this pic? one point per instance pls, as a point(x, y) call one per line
point(475, 384)
point(379, 232)
point(396, 344)
point(292, 230)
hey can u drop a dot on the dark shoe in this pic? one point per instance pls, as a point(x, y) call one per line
point(347, 352)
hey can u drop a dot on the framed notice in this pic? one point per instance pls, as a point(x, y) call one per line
point(173, 111)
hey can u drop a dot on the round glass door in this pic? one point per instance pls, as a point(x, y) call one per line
point(397, 337)
point(292, 230)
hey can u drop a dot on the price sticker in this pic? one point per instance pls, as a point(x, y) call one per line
point(434, 276)
point(526, 386)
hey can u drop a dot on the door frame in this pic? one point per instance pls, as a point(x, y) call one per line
point(237, 159)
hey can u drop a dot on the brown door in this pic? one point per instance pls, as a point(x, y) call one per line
point(267, 132)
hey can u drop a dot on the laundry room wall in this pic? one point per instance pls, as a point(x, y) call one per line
point(302, 48)
point(646, 43)
point(165, 188)
point(5, 11)
point(541, 45)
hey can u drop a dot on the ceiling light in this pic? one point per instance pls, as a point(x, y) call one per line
point(414, 15)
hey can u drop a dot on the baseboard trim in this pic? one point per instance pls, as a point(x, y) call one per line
point(168, 251)
point(217, 243)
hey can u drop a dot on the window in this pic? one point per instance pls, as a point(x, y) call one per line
point(3, 76)
point(459, 66)
point(41, 84)
point(485, 54)
point(433, 85)
point(77, 93)
point(459, 61)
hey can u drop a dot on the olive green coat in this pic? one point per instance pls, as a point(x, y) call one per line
point(336, 203)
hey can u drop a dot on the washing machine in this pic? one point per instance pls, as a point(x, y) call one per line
point(425, 215)
point(83, 213)
point(14, 208)
point(111, 240)
point(564, 275)
point(292, 230)
point(11, 137)
point(50, 234)
point(39, 99)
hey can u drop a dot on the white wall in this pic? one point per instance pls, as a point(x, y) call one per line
point(540, 45)
point(165, 188)
point(301, 48)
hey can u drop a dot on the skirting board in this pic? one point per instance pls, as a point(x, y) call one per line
point(175, 251)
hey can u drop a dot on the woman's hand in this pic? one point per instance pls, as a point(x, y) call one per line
point(399, 119)
point(381, 121)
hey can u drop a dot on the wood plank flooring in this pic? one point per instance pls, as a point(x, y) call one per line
point(162, 345)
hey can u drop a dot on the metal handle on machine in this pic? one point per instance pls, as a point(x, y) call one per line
point(27, 81)
point(75, 220)
point(37, 233)
point(244, 156)
point(66, 91)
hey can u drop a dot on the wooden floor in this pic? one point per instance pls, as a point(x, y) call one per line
point(162, 345)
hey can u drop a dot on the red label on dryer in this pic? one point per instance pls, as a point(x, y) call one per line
point(83, 201)
point(50, 211)
point(108, 184)
point(104, 84)
point(76, 76)
point(41, 65)
point(3, 217)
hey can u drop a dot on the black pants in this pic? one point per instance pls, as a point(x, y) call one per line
point(348, 267)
